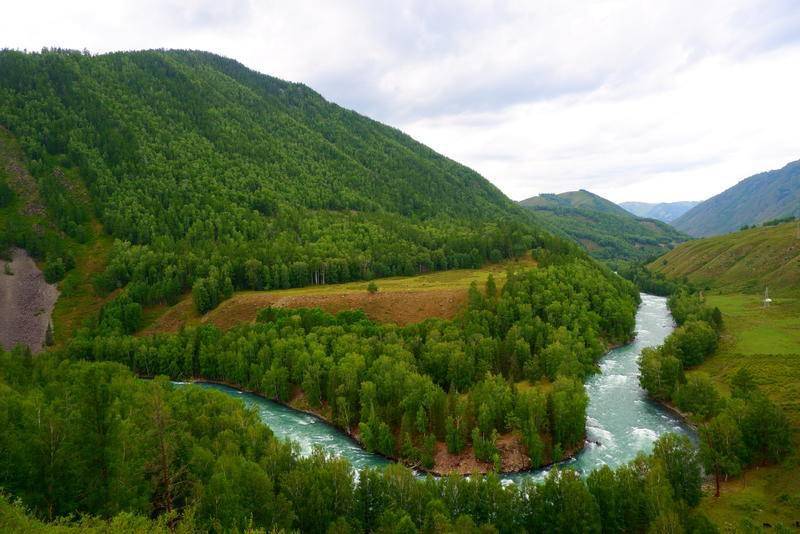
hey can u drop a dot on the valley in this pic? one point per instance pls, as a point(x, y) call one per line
point(606, 231)
point(339, 295)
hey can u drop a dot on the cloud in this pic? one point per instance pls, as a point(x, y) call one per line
point(634, 100)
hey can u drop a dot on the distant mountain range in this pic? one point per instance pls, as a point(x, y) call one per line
point(604, 229)
point(763, 197)
point(662, 211)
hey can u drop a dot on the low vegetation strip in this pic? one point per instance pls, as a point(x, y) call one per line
point(399, 300)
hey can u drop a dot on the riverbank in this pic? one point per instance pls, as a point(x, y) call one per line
point(514, 459)
point(621, 421)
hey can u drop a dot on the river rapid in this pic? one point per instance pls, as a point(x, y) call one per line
point(620, 421)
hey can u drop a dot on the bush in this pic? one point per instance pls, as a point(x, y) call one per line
point(698, 396)
point(6, 195)
point(54, 271)
point(693, 342)
point(372, 287)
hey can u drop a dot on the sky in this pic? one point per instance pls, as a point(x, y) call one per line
point(646, 101)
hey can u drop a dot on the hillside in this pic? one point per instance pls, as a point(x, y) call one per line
point(604, 229)
point(744, 261)
point(763, 197)
point(215, 178)
point(661, 211)
point(580, 199)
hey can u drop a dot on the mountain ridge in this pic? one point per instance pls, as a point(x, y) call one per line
point(768, 195)
point(606, 230)
point(745, 261)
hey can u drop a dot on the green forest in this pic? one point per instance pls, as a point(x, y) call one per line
point(143, 455)
point(197, 178)
point(214, 178)
point(405, 389)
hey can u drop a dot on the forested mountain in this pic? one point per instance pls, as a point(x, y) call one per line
point(604, 229)
point(763, 197)
point(662, 211)
point(215, 177)
point(744, 261)
point(580, 199)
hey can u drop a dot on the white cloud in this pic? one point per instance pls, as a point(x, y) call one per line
point(712, 125)
point(633, 100)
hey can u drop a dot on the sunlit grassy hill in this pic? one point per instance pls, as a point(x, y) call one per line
point(746, 261)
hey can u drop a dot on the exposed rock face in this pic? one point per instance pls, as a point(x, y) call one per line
point(26, 303)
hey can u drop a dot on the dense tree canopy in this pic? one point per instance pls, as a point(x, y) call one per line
point(90, 438)
point(214, 177)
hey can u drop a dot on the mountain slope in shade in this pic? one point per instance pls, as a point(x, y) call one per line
point(763, 197)
point(662, 211)
point(604, 229)
point(744, 261)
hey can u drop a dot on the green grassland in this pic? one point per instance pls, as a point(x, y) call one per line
point(733, 271)
point(766, 342)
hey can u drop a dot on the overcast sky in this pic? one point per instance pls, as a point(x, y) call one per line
point(650, 101)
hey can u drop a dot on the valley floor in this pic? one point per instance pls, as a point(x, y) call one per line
point(767, 343)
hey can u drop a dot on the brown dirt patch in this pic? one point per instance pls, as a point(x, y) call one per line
point(399, 307)
point(26, 303)
point(512, 457)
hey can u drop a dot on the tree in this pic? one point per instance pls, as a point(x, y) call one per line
point(765, 430)
point(678, 457)
point(567, 406)
point(720, 448)
point(699, 395)
point(372, 287)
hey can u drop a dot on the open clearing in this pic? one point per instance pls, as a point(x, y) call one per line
point(767, 343)
point(402, 300)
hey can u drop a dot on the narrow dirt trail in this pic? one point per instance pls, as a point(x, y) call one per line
point(26, 303)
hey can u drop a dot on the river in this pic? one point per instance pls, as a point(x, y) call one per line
point(620, 420)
